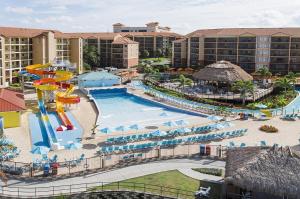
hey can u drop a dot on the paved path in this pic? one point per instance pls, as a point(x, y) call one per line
point(127, 173)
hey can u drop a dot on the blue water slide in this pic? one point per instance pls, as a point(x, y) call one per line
point(1, 126)
point(26, 74)
point(46, 123)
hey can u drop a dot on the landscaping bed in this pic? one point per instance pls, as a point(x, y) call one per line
point(210, 171)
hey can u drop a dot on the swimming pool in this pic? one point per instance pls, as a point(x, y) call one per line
point(117, 108)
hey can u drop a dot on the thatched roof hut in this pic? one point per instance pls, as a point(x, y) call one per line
point(269, 170)
point(222, 71)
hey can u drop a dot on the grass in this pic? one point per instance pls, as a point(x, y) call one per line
point(171, 183)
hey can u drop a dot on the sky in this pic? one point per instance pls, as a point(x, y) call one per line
point(183, 16)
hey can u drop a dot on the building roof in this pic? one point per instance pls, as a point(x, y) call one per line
point(104, 35)
point(20, 32)
point(123, 40)
point(98, 75)
point(270, 170)
point(11, 101)
point(179, 40)
point(222, 71)
point(244, 31)
point(118, 24)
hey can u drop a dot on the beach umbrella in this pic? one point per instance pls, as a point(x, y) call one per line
point(159, 133)
point(164, 114)
point(122, 128)
point(106, 130)
point(261, 106)
point(181, 122)
point(74, 146)
point(170, 124)
point(219, 126)
point(228, 124)
point(214, 118)
point(135, 127)
point(41, 150)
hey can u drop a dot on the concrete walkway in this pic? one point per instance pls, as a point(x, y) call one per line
point(183, 165)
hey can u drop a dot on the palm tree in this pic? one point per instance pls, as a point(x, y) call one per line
point(284, 83)
point(243, 87)
point(292, 77)
point(149, 70)
point(183, 81)
point(94, 129)
point(264, 72)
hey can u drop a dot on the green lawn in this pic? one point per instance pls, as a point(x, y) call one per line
point(173, 183)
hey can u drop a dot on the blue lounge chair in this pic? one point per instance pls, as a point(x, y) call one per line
point(263, 143)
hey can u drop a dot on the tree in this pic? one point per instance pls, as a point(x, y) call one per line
point(91, 57)
point(149, 70)
point(292, 77)
point(168, 52)
point(159, 53)
point(243, 87)
point(146, 53)
point(264, 72)
point(284, 83)
point(183, 81)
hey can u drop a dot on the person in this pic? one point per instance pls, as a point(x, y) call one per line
point(3, 178)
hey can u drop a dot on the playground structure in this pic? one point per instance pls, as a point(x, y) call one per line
point(51, 81)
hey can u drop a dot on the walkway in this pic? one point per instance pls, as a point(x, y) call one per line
point(127, 173)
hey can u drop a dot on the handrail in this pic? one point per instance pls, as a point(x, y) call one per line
point(69, 189)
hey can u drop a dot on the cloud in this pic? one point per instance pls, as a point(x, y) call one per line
point(183, 16)
point(19, 10)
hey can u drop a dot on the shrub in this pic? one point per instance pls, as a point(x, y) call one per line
point(268, 129)
point(210, 171)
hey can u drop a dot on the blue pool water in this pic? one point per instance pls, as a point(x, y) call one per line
point(39, 136)
point(117, 107)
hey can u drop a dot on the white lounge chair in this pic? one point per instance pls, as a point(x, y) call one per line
point(203, 192)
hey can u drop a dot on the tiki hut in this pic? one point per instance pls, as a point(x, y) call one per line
point(268, 172)
point(222, 72)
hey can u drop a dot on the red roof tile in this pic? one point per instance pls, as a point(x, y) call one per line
point(242, 31)
point(11, 101)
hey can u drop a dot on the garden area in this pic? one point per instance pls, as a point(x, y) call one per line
point(283, 93)
point(172, 183)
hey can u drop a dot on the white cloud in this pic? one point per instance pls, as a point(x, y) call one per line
point(183, 16)
point(19, 10)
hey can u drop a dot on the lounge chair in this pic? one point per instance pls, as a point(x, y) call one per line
point(263, 143)
point(203, 192)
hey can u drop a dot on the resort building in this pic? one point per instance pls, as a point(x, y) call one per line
point(150, 27)
point(152, 41)
point(21, 47)
point(114, 49)
point(251, 48)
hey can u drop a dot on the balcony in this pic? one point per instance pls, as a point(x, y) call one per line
point(227, 45)
point(247, 45)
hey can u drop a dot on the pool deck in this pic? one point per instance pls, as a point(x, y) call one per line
point(86, 115)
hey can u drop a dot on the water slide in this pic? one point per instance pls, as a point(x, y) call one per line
point(52, 81)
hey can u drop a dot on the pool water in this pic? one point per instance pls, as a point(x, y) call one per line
point(39, 135)
point(119, 108)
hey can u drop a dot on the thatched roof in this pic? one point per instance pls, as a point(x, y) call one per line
point(222, 71)
point(270, 170)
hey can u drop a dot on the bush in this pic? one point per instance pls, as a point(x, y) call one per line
point(210, 171)
point(268, 129)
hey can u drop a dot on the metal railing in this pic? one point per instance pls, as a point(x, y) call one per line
point(227, 96)
point(115, 160)
point(91, 188)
